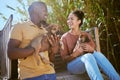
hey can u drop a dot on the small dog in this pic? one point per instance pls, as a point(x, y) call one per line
point(83, 38)
point(42, 39)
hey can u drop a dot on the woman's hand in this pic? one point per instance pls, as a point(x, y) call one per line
point(87, 48)
point(79, 51)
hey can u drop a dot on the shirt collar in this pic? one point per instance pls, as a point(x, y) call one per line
point(33, 25)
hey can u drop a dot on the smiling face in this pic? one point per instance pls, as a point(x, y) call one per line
point(41, 18)
point(42, 13)
point(73, 21)
point(38, 12)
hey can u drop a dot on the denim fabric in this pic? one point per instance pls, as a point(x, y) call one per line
point(106, 66)
point(91, 63)
point(43, 77)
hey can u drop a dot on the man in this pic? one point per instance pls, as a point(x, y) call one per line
point(19, 45)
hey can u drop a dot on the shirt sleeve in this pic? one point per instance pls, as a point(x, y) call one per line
point(16, 32)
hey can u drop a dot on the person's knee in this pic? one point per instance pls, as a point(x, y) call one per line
point(96, 52)
point(88, 56)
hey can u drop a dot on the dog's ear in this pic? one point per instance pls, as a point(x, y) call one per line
point(49, 29)
point(86, 38)
point(82, 38)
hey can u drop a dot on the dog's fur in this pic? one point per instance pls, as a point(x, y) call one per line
point(83, 38)
point(42, 40)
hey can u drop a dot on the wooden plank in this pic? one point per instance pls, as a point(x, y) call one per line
point(97, 38)
point(5, 64)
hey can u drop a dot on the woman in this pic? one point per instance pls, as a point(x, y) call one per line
point(84, 57)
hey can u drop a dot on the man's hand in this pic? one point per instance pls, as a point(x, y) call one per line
point(55, 43)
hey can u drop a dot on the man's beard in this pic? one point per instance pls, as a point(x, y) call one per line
point(43, 24)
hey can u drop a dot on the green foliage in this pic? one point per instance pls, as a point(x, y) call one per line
point(10, 7)
point(61, 10)
point(94, 12)
point(3, 17)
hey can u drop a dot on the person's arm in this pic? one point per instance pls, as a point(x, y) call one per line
point(14, 52)
point(55, 46)
point(73, 55)
point(65, 52)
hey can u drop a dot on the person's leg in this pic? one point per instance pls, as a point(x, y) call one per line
point(76, 66)
point(106, 66)
point(88, 63)
point(43, 77)
point(51, 77)
point(91, 67)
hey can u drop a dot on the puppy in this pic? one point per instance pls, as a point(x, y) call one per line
point(83, 38)
point(42, 40)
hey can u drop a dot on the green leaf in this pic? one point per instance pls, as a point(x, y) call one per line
point(10, 7)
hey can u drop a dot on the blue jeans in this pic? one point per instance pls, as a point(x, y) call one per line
point(91, 63)
point(43, 77)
